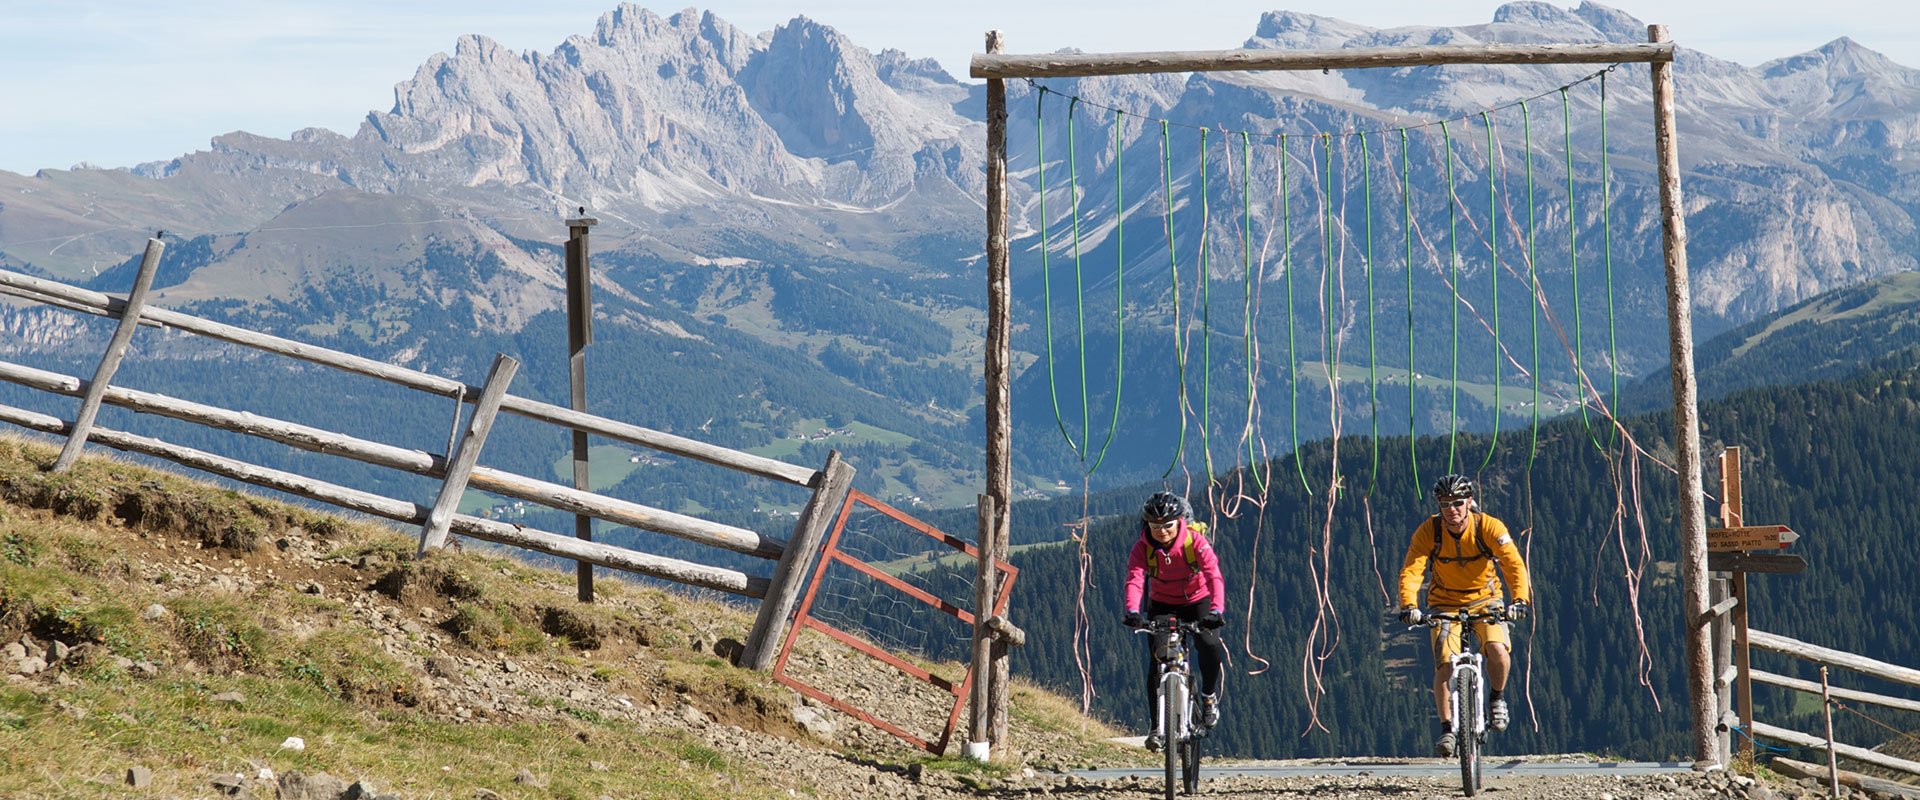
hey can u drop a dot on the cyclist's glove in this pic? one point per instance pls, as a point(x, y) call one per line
point(1412, 616)
point(1518, 611)
point(1212, 620)
point(1134, 620)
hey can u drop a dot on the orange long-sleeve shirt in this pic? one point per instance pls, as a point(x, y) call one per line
point(1464, 565)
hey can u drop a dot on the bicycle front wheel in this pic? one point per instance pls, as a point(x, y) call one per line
point(1468, 724)
point(1173, 702)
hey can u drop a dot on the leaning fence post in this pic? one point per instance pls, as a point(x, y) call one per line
point(579, 335)
point(116, 349)
point(460, 467)
point(770, 625)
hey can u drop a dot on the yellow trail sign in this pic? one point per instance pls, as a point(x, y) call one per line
point(1750, 537)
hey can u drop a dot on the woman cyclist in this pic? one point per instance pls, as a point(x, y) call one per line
point(1172, 571)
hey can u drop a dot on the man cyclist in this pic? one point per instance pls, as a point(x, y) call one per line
point(1173, 569)
point(1463, 544)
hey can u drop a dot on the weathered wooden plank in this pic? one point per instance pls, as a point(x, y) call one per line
point(789, 577)
point(980, 723)
point(465, 456)
point(1859, 754)
point(671, 569)
point(619, 512)
point(1775, 643)
point(1006, 631)
point(110, 362)
point(1802, 769)
point(36, 288)
point(1066, 65)
point(1854, 695)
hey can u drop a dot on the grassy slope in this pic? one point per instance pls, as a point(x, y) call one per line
point(84, 555)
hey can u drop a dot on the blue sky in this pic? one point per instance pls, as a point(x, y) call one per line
point(118, 83)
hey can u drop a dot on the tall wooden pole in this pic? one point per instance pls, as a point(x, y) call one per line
point(116, 349)
point(579, 335)
point(998, 378)
point(1686, 422)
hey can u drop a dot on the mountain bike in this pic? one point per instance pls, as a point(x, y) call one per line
point(1176, 704)
point(1467, 691)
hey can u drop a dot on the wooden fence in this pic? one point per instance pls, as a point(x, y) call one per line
point(457, 468)
point(1734, 675)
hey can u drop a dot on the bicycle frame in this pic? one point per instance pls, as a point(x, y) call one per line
point(1174, 699)
point(1467, 694)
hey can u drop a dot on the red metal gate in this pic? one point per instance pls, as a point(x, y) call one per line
point(803, 620)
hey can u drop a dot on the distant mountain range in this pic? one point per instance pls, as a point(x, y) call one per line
point(800, 209)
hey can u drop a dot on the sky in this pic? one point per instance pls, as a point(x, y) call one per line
point(117, 82)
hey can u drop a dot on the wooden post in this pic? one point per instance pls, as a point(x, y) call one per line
point(790, 576)
point(998, 377)
point(110, 362)
point(434, 533)
point(1723, 685)
point(1733, 510)
point(1826, 707)
point(579, 335)
point(980, 729)
point(1686, 422)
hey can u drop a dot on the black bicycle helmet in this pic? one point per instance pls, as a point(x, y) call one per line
point(1165, 507)
point(1451, 487)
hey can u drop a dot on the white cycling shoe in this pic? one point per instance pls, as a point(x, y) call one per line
point(1499, 717)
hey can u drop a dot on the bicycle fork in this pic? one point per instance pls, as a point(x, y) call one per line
point(1173, 687)
point(1469, 715)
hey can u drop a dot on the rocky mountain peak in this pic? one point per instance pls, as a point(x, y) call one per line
point(1612, 23)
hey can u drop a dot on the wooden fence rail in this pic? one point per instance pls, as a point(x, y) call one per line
point(458, 468)
point(1827, 657)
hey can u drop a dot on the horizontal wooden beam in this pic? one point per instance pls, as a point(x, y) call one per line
point(1775, 643)
point(1854, 695)
point(671, 569)
point(553, 495)
point(1718, 609)
point(1818, 772)
point(1860, 754)
point(1073, 65)
point(60, 294)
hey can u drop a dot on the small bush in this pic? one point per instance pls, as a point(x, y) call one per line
point(477, 627)
point(219, 633)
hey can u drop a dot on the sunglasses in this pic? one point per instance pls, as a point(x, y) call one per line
point(1454, 503)
point(1161, 526)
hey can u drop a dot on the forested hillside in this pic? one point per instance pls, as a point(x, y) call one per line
point(1833, 460)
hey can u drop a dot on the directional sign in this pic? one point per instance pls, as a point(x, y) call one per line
point(1775, 563)
point(1752, 537)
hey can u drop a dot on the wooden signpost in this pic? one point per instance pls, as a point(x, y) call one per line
point(1738, 549)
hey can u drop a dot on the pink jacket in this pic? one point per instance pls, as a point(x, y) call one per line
point(1175, 583)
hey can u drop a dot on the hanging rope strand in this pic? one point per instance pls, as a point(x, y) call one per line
point(1046, 267)
point(1573, 262)
point(1173, 269)
point(1293, 358)
point(1373, 355)
point(1206, 315)
point(1246, 267)
point(1119, 290)
point(1533, 282)
point(1079, 290)
point(1453, 257)
point(1406, 225)
point(1493, 251)
point(1606, 238)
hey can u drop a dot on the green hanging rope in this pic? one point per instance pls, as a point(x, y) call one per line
point(1046, 266)
point(1206, 314)
point(1326, 260)
point(1493, 248)
point(1573, 261)
point(1173, 268)
point(1406, 225)
point(1079, 290)
point(1246, 268)
point(1373, 356)
point(1119, 290)
point(1533, 281)
point(1606, 237)
point(1293, 361)
point(1453, 249)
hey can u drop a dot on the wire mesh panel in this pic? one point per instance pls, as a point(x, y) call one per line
point(889, 590)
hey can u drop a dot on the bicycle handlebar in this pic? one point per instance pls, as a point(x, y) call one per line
point(1434, 618)
point(1168, 625)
